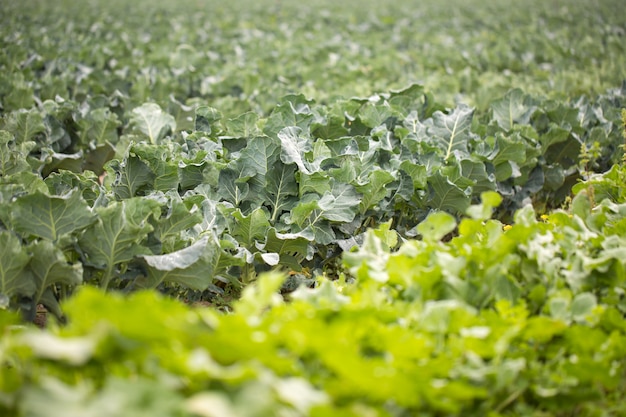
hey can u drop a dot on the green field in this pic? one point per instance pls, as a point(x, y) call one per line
point(338, 208)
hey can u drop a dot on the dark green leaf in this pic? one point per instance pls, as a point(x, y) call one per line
point(118, 234)
point(206, 118)
point(49, 267)
point(131, 176)
point(49, 217)
point(446, 195)
point(14, 279)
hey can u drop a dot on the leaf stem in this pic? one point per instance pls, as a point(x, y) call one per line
point(106, 278)
point(508, 400)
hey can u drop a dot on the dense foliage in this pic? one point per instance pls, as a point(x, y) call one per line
point(437, 190)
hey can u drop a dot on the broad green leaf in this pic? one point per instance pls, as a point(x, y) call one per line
point(159, 158)
point(14, 279)
point(259, 157)
point(192, 267)
point(317, 183)
point(288, 245)
point(206, 119)
point(436, 226)
point(340, 204)
point(118, 234)
point(329, 126)
point(131, 176)
point(476, 172)
point(451, 132)
point(63, 182)
point(13, 157)
point(25, 124)
point(373, 115)
point(62, 161)
point(294, 148)
point(556, 134)
point(281, 188)
point(446, 195)
point(152, 121)
point(294, 112)
point(97, 157)
point(177, 219)
point(51, 217)
point(303, 210)
point(232, 186)
point(49, 266)
point(511, 148)
point(514, 108)
point(321, 230)
point(374, 190)
point(99, 126)
point(243, 126)
point(249, 229)
point(582, 306)
point(417, 172)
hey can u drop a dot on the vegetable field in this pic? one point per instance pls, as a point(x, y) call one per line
point(271, 208)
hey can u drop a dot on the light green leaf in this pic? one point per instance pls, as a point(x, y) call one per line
point(192, 267)
point(259, 295)
point(294, 146)
point(249, 229)
point(340, 204)
point(13, 156)
point(436, 226)
point(514, 108)
point(483, 211)
point(290, 246)
point(161, 161)
point(511, 148)
point(303, 210)
point(317, 183)
point(451, 132)
point(99, 126)
point(244, 125)
point(582, 306)
point(373, 115)
point(152, 121)
point(25, 124)
point(293, 111)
